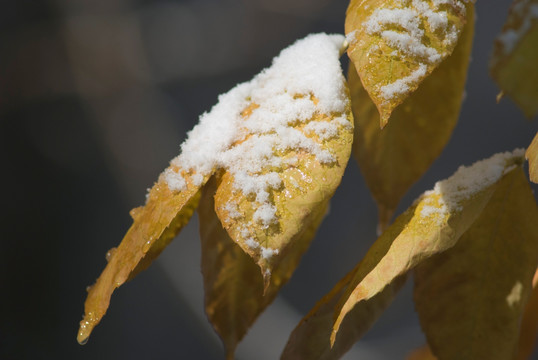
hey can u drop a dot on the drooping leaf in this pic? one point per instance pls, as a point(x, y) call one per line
point(532, 156)
point(423, 353)
point(392, 159)
point(233, 284)
point(528, 333)
point(297, 131)
point(154, 226)
point(311, 338)
point(515, 55)
point(470, 298)
point(396, 44)
point(432, 225)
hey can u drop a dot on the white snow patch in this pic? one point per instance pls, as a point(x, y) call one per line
point(467, 181)
point(232, 210)
point(323, 129)
point(175, 181)
point(246, 146)
point(401, 86)
point(403, 27)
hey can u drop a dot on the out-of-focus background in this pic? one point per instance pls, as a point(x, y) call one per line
point(96, 97)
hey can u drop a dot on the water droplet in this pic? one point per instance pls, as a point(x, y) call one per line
point(135, 212)
point(147, 245)
point(110, 253)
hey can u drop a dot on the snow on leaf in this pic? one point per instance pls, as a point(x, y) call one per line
point(532, 156)
point(235, 292)
point(396, 44)
point(515, 55)
point(470, 298)
point(154, 226)
point(296, 130)
point(390, 161)
point(281, 143)
point(432, 225)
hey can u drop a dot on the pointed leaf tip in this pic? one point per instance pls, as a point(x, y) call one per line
point(391, 162)
point(395, 45)
point(154, 226)
point(432, 225)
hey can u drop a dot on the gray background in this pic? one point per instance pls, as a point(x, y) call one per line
point(95, 98)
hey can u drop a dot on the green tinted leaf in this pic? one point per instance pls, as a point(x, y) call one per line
point(513, 64)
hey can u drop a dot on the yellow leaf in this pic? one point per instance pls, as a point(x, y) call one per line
point(423, 353)
point(288, 162)
point(532, 156)
point(513, 64)
point(528, 333)
point(154, 226)
point(432, 225)
point(233, 284)
point(311, 338)
point(470, 298)
point(392, 159)
point(396, 44)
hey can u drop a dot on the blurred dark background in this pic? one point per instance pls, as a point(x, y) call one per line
point(95, 98)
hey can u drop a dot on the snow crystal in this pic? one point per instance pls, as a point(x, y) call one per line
point(232, 210)
point(256, 120)
point(267, 253)
point(175, 181)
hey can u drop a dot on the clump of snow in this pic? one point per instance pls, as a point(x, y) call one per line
point(254, 121)
point(266, 253)
point(467, 181)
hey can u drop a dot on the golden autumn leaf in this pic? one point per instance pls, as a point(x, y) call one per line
point(281, 141)
point(432, 225)
point(396, 44)
point(423, 353)
point(233, 284)
point(470, 298)
point(528, 333)
point(532, 156)
point(390, 161)
point(515, 55)
point(296, 133)
point(154, 226)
